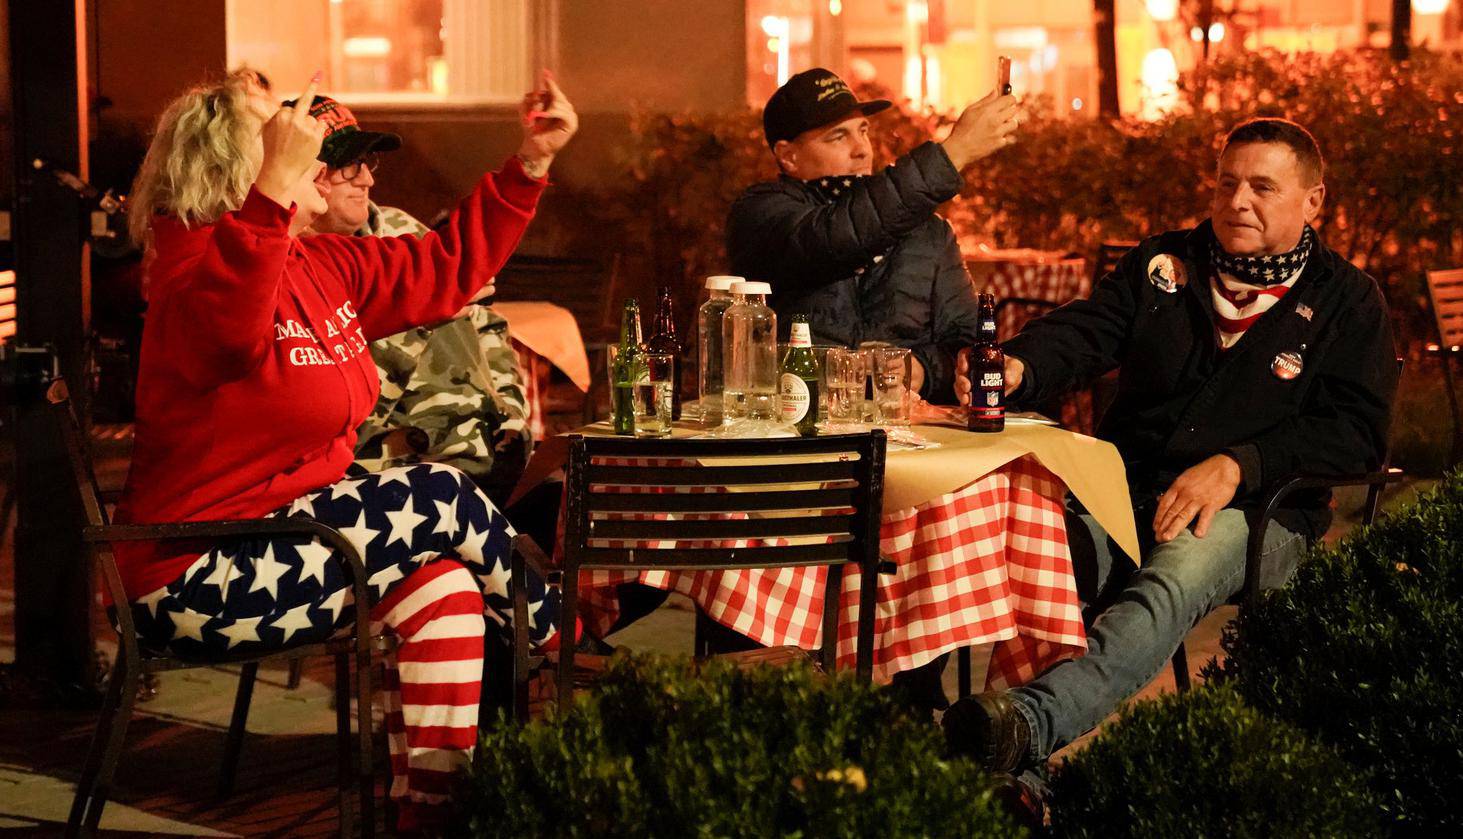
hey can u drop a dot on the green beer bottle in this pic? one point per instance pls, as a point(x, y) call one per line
point(799, 382)
point(629, 367)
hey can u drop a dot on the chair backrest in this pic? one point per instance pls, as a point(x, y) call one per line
point(78, 456)
point(7, 305)
point(1446, 290)
point(690, 503)
point(586, 287)
point(1108, 255)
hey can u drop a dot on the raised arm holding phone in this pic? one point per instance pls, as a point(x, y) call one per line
point(863, 253)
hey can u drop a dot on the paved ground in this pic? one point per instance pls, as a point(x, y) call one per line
point(286, 784)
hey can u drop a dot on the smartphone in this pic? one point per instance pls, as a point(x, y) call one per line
point(1003, 74)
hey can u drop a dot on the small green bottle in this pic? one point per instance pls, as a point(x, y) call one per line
point(629, 367)
point(800, 378)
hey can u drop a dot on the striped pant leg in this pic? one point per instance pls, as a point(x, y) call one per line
point(433, 682)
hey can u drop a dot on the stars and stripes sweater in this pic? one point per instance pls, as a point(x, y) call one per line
point(255, 372)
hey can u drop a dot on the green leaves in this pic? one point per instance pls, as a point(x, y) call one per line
point(662, 749)
point(1364, 649)
point(1204, 764)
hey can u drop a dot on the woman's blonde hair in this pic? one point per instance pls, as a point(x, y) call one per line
point(203, 158)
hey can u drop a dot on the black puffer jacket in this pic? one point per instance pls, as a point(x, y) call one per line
point(866, 258)
point(1180, 400)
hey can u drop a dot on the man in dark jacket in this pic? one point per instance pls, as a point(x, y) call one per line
point(1247, 351)
point(864, 254)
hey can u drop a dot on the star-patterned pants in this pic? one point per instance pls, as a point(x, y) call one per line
point(436, 552)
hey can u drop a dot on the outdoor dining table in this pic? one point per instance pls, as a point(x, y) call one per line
point(974, 526)
point(1033, 274)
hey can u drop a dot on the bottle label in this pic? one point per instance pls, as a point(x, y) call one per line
point(995, 380)
point(801, 335)
point(796, 398)
point(988, 326)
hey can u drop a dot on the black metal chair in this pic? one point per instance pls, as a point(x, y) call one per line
point(631, 505)
point(1108, 256)
point(134, 661)
point(1249, 594)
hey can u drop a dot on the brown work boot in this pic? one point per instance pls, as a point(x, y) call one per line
point(988, 728)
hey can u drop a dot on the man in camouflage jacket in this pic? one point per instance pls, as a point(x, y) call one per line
point(451, 393)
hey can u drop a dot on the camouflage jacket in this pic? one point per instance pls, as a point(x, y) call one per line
point(451, 393)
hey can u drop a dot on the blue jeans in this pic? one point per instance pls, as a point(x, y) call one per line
point(1138, 617)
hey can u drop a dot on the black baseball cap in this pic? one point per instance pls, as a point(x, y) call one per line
point(812, 99)
point(345, 141)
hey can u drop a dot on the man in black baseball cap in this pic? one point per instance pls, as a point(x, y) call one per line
point(864, 254)
point(812, 99)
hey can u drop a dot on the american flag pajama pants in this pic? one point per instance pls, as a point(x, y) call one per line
point(436, 553)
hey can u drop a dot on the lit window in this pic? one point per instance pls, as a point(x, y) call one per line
point(393, 51)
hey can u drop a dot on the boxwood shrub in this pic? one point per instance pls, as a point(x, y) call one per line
point(1204, 764)
point(663, 749)
point(1365, 650)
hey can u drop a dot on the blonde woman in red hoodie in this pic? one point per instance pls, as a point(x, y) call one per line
point(254, 376)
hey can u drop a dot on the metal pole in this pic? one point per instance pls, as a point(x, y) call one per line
point(52, 575)
point(1104, 26)
point(1401, 29)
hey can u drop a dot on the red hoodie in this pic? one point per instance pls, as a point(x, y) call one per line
point(255, 371)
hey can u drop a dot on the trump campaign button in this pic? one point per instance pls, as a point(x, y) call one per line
point(1287, 365)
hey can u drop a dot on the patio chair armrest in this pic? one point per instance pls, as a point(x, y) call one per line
point(534, 558)
point(1282, 490)
point(177, 531)
point(346, 552)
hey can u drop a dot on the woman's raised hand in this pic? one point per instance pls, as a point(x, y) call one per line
point(549, 121)
point(292, 141)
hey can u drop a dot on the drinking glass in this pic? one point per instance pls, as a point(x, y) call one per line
point(891, 368)
point(820, 351)
point(651, 396)
point(844, 372)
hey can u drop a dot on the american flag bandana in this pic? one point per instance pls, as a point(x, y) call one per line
point(1244, 288)
point(1265, 270)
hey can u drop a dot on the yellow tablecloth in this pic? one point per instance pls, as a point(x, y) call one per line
point(1091, 468)
point(550, 331)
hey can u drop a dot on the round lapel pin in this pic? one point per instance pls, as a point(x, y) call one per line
point(1287, 365)
point(1166, 273)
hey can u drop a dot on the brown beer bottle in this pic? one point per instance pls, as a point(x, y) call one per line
point(987, 372)
point(663, 340)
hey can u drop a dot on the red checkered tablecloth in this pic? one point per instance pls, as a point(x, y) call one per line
point(535, 381)
point(1036, 277)
point(986, 564)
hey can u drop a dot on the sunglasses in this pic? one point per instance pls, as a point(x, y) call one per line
point(349, 172)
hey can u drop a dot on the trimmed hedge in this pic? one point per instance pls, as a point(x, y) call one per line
point(662, 749)
point(1365, 650)
point(1204, 764)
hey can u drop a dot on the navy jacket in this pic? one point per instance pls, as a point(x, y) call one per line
point(869, 262)
point(1180, 400)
